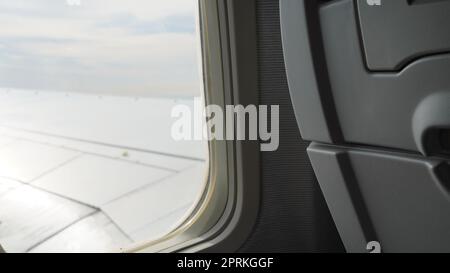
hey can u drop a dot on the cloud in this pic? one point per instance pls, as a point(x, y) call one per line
point(147, 47)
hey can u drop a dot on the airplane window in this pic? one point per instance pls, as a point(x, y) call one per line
point(88, 161)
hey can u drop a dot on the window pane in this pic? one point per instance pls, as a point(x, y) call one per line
point(87, 160)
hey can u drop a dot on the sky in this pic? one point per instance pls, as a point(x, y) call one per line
point(125, 47)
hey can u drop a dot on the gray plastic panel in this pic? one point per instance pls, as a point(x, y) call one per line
point(346, 215)
point(400, 31)
point(400, 201)
point(375, 108)
point(307, 75)
point(338, 100)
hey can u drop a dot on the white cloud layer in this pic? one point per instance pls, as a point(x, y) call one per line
point(134, 47)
